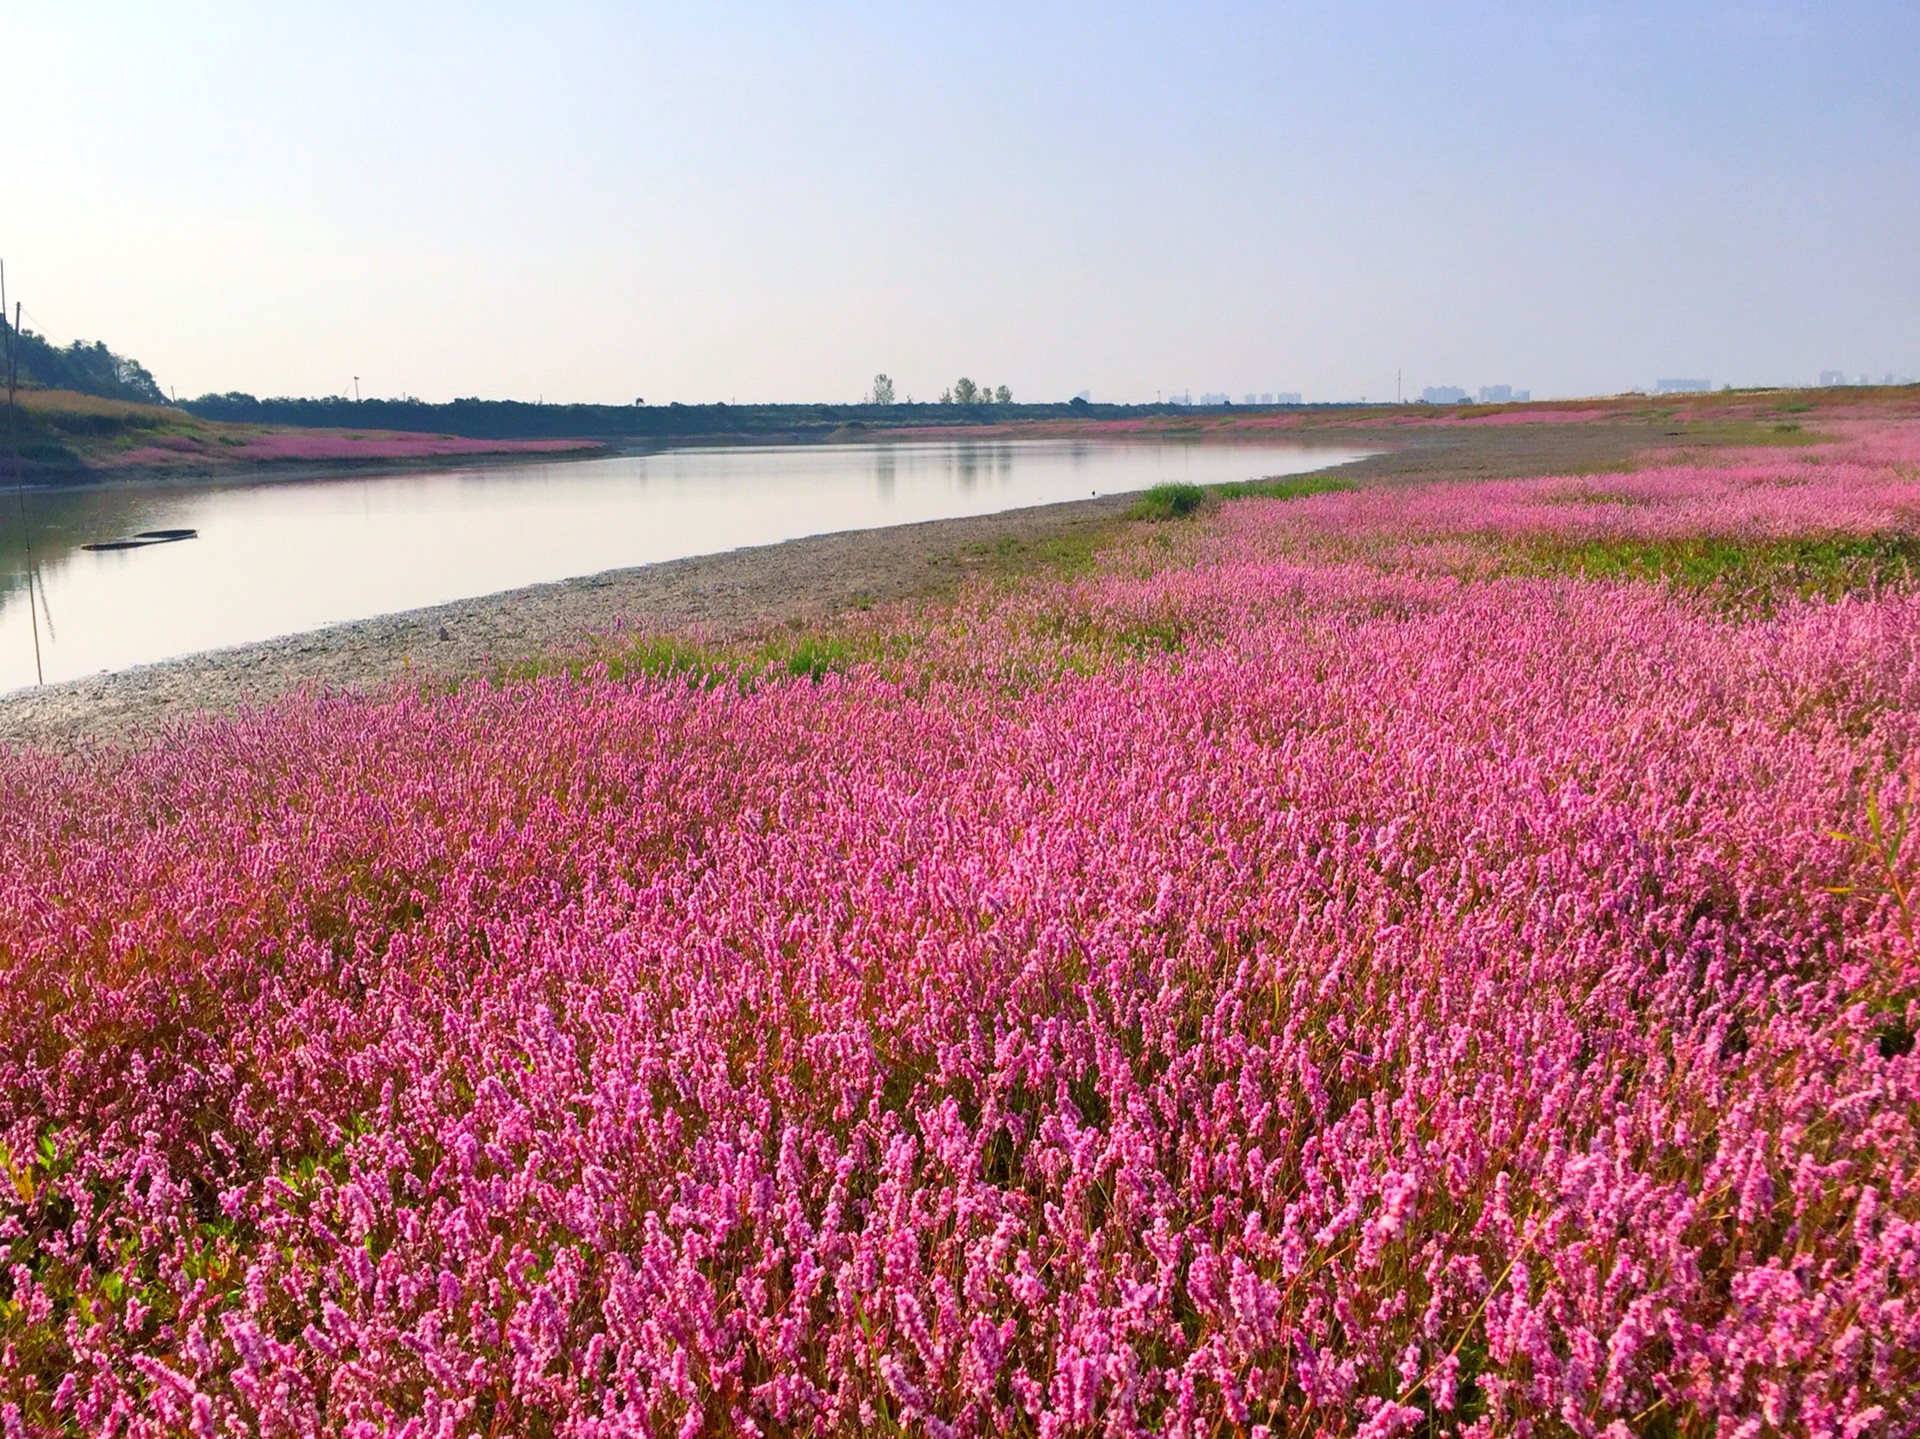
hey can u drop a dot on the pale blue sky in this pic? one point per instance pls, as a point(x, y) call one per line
point(761, 201)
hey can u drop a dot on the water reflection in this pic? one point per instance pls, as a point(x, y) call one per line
point(279, 557)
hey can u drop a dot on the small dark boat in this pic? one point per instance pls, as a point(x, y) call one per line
point(143, 539)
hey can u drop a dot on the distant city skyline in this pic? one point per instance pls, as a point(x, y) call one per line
point(592, 201)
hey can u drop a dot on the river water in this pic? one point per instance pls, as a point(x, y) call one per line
point(278, 557)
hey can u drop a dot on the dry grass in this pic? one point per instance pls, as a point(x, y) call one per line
point(71, 402)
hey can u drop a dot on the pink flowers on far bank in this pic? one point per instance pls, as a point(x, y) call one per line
point(1253, 995)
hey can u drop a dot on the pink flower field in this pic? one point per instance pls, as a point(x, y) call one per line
point(1289, 982)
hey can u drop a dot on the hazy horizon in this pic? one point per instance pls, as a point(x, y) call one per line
point(754, 202)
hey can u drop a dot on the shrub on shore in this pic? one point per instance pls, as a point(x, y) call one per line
point(1167, 502)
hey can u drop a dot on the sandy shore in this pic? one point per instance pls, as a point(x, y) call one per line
point(723, 596)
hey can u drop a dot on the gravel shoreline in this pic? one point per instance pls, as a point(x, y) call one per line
point(725, 595)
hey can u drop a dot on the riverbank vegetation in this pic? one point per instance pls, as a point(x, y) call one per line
point(1177, 500)
point(66, 437)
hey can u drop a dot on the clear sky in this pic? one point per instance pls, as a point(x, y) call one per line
point(773, 201)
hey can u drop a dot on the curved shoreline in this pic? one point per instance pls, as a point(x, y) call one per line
point(725, 595)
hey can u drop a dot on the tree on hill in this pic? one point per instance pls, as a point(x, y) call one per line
point(92, 369)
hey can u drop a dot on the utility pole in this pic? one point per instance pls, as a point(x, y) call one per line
point(356, 389)
point(1397, 374)
point(19, 486)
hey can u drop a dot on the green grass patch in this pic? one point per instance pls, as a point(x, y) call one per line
point(1070, 550)
point(1167, 502)
point(1742, 434)
point(811, 657)
point(1063, 555)
point(660, 657)
point(1174, 501)
point(1747, 575)
point(1293, 488)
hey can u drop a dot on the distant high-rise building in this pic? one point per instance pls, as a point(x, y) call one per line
point(1681, 387)
point(1443, 394)
point(1287, 397)
point(1833, 377)
point(1216, 398)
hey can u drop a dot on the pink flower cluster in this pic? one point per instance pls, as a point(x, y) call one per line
point(1865, 483)
point(1261, 998)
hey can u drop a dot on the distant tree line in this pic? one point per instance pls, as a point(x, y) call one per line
point(515, 419)
point(90, 368)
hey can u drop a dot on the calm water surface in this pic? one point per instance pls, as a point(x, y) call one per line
point(279, 557)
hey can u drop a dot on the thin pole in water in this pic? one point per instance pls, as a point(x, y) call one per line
point(19, 486)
